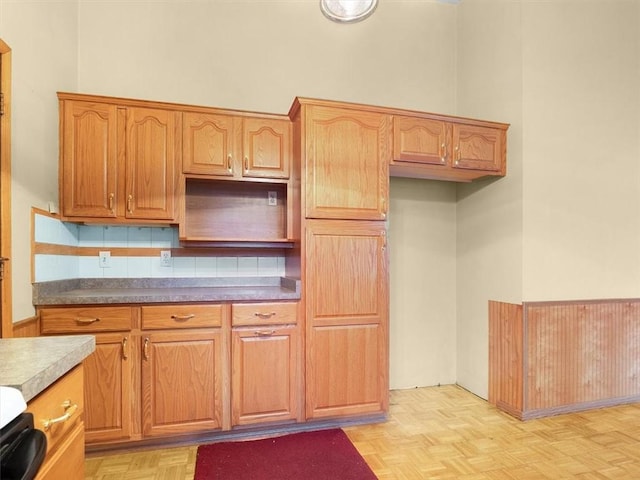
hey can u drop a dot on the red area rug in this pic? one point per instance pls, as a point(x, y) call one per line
point(321, 455)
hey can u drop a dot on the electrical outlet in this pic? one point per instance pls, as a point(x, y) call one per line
point(105, 259)
point(165, 258)
point(272, 198)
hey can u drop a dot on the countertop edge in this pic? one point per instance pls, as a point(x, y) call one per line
point(140, 291)
point(33, 379)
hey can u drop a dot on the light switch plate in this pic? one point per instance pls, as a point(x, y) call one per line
point(272, 198)
point(165, 258)
point(104, 259)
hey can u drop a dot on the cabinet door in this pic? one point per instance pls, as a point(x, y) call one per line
point(266, 148)
point(479, 148)
point(346, 370)
point(108, 388)
point(264, 379)
point(181, 382)
point(421, 140)
point(347, 295)
point(150, 163)
point(208, 144)
point(89, 173)
point(347, 162)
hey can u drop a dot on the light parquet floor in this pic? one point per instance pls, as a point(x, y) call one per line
point(448, 433)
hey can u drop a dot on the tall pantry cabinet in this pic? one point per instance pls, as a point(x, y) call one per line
point(344, 154)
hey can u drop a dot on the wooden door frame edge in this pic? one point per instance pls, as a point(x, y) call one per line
point(6, 328)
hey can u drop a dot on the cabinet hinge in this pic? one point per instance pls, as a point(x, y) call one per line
point(1, 103)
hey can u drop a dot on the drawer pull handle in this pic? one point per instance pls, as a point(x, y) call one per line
point(69, 408)
point(87, 321)
point(264, 316)
point(124, 349)
point(182, 318)
point(145, 348)
point(264, 333)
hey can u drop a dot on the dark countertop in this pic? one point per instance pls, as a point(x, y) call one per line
point(31, 364)
point(89, 291)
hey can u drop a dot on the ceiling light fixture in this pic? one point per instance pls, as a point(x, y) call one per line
point(347, 11)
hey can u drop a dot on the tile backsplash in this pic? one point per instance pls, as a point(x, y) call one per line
point(60, 267)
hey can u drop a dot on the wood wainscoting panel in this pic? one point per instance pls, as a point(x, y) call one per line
point(548, 358)
point(505, 356)
point(582, 355)
point(29, 327)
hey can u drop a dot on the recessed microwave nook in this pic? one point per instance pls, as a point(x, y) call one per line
point(224, 211)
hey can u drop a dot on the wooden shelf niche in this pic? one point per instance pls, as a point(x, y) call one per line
point(234, 212)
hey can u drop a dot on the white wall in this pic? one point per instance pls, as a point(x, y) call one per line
point(42, 37)
point(260, 55)
point(581, 190)
point(422, 258)
point(489, 212)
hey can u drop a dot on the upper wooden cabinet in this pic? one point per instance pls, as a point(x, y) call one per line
point(150, 163)
point(421, 140)
point(345, 156)
point(89, 159)
point(479, 148)
point(236, 147)
point(447, 149)
point(117, 162)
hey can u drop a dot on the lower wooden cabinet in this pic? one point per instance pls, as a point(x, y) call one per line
point(68, 461)
point(346, 368)
point(108, 388)
point(58, 411)
point(108, 371)
point(347, 314)
point(183, 369)
point(264, 374)
point(181, 382)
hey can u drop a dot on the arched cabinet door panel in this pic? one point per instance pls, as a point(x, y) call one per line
point(347, 159)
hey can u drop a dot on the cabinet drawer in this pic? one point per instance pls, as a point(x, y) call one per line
point(85, 319)
point(181, 316)
point(264, 313)
point(57, 409)
point(68, 461)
